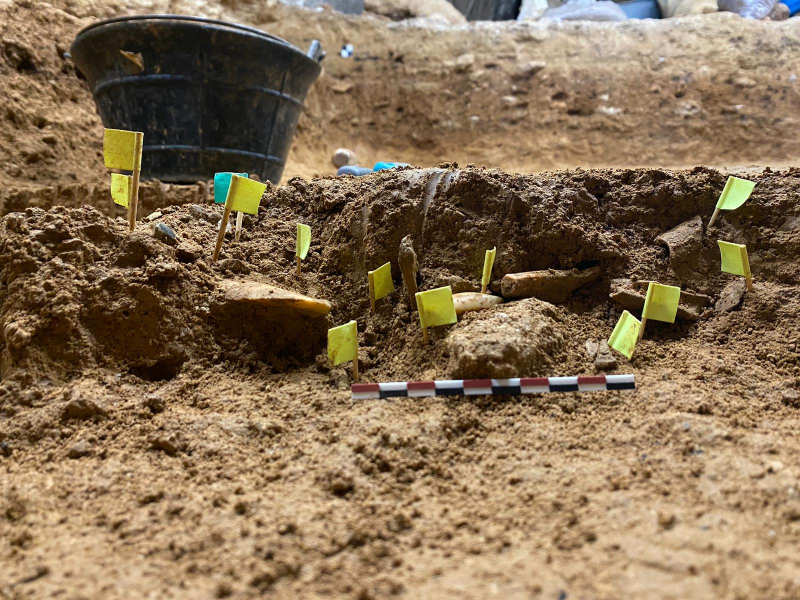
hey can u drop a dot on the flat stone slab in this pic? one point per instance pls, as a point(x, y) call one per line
point(263, 294)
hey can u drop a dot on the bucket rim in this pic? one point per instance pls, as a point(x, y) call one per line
point(213, 23)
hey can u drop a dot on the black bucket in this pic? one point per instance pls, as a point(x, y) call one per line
point(209, 96)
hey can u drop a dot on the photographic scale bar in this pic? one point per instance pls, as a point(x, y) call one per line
point(480, 387)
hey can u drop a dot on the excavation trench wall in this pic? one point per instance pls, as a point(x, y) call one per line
point(79, 292)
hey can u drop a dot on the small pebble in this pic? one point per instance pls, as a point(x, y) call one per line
point(79, 449)
point(164, 233)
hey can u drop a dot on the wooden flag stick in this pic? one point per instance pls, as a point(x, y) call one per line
point(222, 228)
point(749, 281)
point(239, 218)
point(355, 369)
point(713, 217)
point(371, 278)
point(641, 330)
point(421, 309)
point(299, 264)
point(133, 203)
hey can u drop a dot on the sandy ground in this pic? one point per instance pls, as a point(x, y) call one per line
point(160, 440)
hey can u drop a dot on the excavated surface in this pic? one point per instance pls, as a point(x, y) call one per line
point(158, 442)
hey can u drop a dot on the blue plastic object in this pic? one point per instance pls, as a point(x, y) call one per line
point(222, 181)
point(351, 170)
point(382, 166)
point(794, 6)
point(641, 9)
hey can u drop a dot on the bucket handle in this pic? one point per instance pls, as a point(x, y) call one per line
point(316, 52)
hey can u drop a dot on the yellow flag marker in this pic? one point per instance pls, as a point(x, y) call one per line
point(736, 193)
point(488, 263)
point(343, 346)
point(735, 261)
point(380, 283)
point(660, 304)
point(435, 308)
point(303, 244)
point(123, 150)
point(121, 188)
point(244, 195)
point(625, 335)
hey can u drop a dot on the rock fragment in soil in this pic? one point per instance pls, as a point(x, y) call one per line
point(604, 360)
point(683, 242)
point(457, 284)
point(164, 233)
point(731, 296)
point(601, 354)
point(470, 301)
point(82, 408)
point(262, 294)
point(630, 296)
point(79, 449)
point(550, 286)
point(155, 403)
point(523, 339)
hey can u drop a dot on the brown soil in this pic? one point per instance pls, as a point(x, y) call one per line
point(160, 441)
point(715, 90)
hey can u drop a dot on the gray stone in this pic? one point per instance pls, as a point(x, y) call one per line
point(164, 233)
point(199, 212)
point(155, 403)
point(528, 69)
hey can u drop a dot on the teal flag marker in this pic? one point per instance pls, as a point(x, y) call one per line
point(222, 181)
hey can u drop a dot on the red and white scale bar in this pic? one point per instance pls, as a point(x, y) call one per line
point(481, 387)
